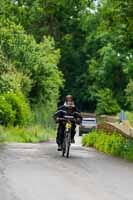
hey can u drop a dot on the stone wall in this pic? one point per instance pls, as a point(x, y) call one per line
point(118, 128)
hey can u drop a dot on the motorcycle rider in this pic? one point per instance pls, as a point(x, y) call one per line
point(68, 108)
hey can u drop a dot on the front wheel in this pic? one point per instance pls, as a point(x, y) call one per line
point(68, 143)
point(64, 148)
point(67, 151)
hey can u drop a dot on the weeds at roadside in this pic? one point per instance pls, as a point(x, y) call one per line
point(112, 144)
point(33, 134)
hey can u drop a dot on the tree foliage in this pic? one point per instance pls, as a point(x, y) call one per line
point(106, 104)
point(129, 94)
point(86, 42)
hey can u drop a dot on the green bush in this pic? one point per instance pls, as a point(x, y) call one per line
point(106, 104)
point(21, 108)
point(7, 114)
point(14, 110)
point(127, 152)
point(90, 139)
point(129, 94)
point(130, 117)
point(2, 134)
point(113, 144)
point(100, 142)
point(41, 79)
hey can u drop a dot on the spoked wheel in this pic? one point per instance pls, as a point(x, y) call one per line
point(64, 148)
point(63, 152)
point(68, 150)
point(68, 143)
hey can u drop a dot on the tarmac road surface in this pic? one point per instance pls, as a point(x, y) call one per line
point(38, 172)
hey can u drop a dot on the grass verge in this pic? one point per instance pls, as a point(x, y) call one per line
point(33, 134)
point(112, 144)
point(130, 117)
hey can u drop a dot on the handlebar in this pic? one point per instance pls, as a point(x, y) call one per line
point(66, 118)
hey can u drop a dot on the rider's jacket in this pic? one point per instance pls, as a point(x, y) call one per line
point(62, 111)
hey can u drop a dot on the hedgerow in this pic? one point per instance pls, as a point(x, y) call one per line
point(14, 109)
point(112, 144)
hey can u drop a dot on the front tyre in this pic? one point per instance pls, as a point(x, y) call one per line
point(64, 147)
point(68, 143)
point(67, 151)
point(63, 150)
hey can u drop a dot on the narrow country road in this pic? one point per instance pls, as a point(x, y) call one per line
point(38, 172)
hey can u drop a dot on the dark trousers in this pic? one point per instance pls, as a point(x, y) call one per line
point(60, 133)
